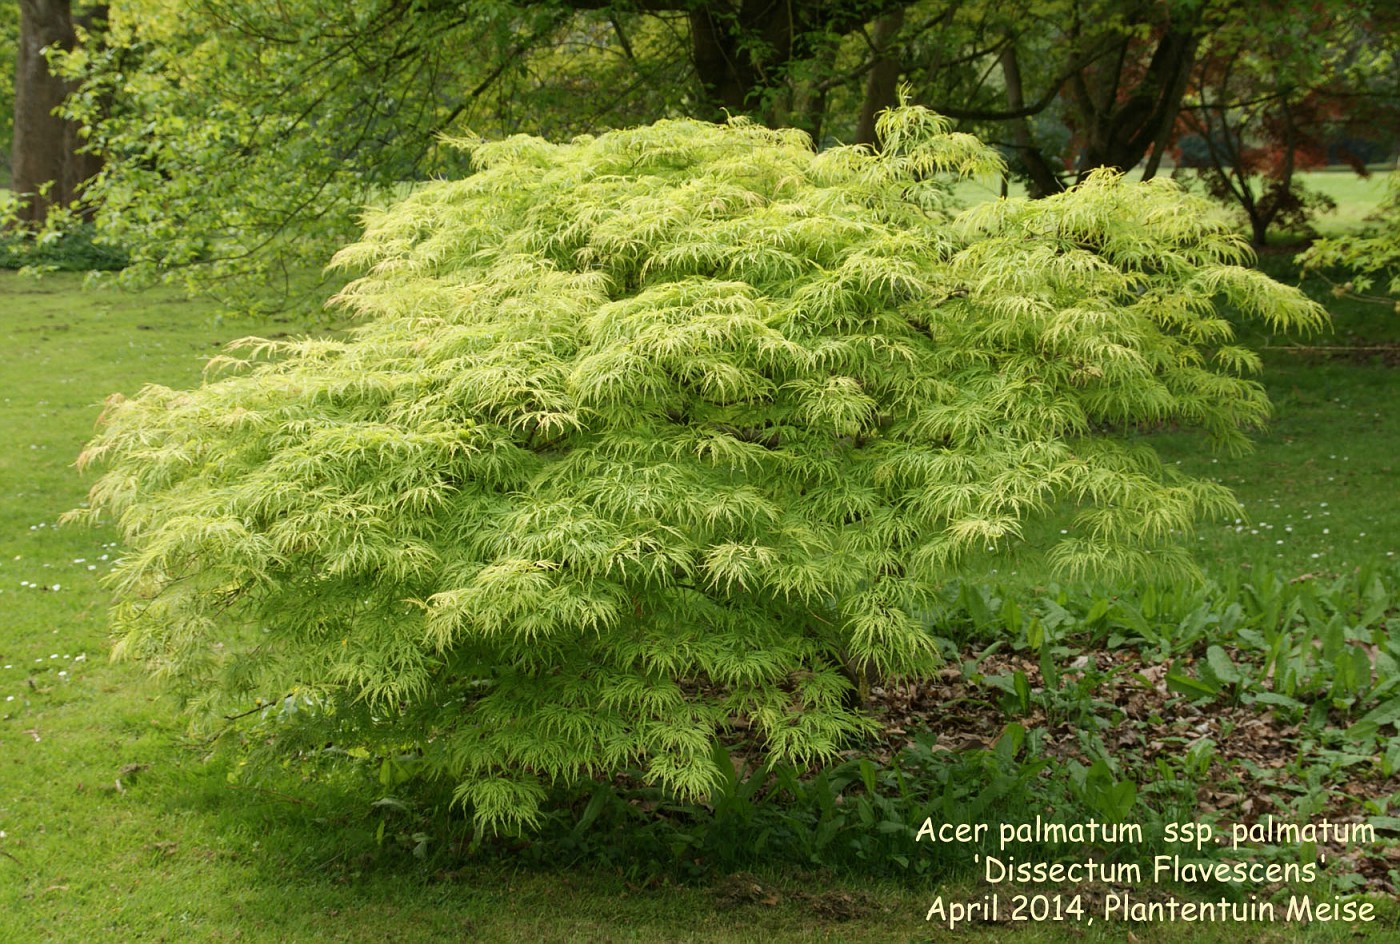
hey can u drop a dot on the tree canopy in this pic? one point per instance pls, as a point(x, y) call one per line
point(9, 51)
point(1287, 90)
point(655, 430)
point(240, 138)
point(237, 139)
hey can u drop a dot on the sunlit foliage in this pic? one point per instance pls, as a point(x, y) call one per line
point(240, 137)
point(646, 435)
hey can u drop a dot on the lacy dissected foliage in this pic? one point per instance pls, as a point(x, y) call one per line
point(1371, 257)
point(653, 433)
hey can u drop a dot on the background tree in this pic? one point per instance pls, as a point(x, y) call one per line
point(746, 53)
point(1066, 87)
point(9, 49)
point(663, 428)
point(1273, 90)
point(265, 127)
point(1116, 71)
point(48, 165)
point(1063, 87)
point(241, 138)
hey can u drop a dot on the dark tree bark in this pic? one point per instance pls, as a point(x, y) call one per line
point(1119, 132)
point(743, 49)
point(47, 168)
point(724, 75)
point(882, 84)
point(1041, 176)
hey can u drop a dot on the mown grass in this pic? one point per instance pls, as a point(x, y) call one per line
point(1356, 197)
point(114, 824)
point(1317, 487)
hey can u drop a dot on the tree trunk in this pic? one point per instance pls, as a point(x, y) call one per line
point(1170, 106)
point(1042, 180)
point(1258, 229)
point(717, 65)
point(744, 50)
point(882, 84)
point(47, 168)
point(1120, 133)
point(739, 54)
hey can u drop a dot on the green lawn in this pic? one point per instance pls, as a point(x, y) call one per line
point(115, 825)
point(1357, 197)
point(1317, 487)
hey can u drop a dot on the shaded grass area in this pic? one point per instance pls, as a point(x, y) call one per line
point(1318, 488)
point(114, 824)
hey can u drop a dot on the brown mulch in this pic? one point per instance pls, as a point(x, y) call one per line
point(1259, 768)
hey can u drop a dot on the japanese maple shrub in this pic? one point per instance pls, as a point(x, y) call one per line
point(654, 431)
point(1372, 257)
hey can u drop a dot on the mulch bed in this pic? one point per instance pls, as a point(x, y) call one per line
point(1257, 765)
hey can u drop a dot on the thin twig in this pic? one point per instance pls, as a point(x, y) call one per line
point(1335, 348)
point(256, 708)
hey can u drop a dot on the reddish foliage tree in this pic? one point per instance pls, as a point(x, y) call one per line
point(1269, 95)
